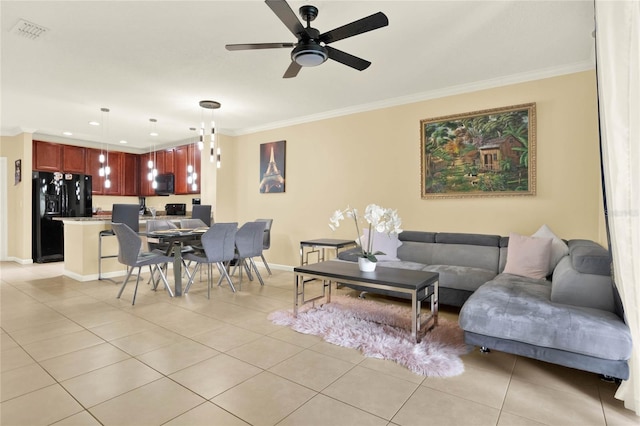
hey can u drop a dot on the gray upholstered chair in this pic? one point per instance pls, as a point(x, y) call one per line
point(129, 254)
point(219, 249)
point(266, 241)
point(120, 213)
point(202, 212)
point(249, 245)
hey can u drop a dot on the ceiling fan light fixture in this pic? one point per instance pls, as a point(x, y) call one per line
point(309, 54)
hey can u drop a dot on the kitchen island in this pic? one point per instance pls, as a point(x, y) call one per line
point(81, 235)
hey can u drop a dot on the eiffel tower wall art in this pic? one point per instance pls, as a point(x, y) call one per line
point(272, 167)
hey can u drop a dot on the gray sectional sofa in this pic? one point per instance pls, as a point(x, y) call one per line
point(572, 317)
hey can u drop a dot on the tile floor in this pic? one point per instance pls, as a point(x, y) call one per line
point(73, 354)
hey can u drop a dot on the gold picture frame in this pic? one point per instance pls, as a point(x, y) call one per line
point(489, 153)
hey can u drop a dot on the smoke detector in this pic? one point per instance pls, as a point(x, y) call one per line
point(29, 30)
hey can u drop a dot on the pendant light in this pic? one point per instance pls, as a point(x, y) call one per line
point(104, 170)
point(152, 163)
point(107, 169)
point(211, 105)
point(192, 176)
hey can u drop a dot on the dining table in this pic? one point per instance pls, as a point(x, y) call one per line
point(176, 237)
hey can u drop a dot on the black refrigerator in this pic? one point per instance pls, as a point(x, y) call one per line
point(56, 194)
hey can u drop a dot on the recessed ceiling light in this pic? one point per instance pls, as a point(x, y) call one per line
point(67, 133)
point(94, 123)
point(123, 141)
point(153, 134)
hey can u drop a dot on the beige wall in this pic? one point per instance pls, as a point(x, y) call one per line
point(374, 157)
point(18, 197)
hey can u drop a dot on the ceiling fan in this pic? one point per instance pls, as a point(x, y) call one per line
point(312, 47)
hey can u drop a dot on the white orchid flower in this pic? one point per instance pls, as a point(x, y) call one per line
point(378, 218)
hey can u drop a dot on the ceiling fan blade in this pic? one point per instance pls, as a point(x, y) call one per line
point(288, 17)
point(372, 22)
point(347, 59)
point(293, 70)
point(253, 46)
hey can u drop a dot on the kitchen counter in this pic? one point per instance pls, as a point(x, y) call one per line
point(107, 218)
point(81, 237)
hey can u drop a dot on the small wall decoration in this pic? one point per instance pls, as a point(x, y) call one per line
point(18, 172)
point(478, 154)
point(272, 167)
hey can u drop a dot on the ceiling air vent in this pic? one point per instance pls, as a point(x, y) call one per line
point(29, 30)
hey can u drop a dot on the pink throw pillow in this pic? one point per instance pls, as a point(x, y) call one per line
point(528, 256)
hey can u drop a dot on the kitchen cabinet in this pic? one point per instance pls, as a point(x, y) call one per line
point(185, 156)
point(130, 174)
point(47, 157)
point(181, 154)
point(73, 159)
point(169, 161)
point(145, 188)
point(114, 161)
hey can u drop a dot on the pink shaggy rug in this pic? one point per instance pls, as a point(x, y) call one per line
point(383, 331)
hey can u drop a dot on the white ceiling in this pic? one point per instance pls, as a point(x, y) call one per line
point(158, 59)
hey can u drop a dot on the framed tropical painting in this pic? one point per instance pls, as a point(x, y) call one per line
point(479, 154)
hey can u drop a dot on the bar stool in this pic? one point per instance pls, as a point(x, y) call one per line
point(121, 213)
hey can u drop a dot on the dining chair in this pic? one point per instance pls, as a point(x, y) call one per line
point(266, 241)
point(249, 245)
point(129, 254)
point(120, 213)
point(202, 212)
point(219, 249)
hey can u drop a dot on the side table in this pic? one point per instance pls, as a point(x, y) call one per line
point(320, 245)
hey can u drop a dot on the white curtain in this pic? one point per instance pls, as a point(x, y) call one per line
point(618, 68)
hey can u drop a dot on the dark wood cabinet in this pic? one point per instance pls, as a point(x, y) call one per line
point(181, 157)
point(169, 161)
point(73, 159)
point(130, 174)
point(145, 188)
point(47, 157)
point(114, 162)
point(185, 156)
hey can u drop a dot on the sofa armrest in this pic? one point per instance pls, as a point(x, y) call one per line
point(572, 287)
point(588, 257)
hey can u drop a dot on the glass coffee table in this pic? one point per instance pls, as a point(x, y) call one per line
point(408, 284)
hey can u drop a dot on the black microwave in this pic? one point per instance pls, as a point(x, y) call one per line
point(165, 184)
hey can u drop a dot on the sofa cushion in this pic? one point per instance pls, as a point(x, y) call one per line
point(559, 248)
point(402, 264)
point(417, 236)
point(470, 239)
point(461, 277)
point(575, 288)
point(528, 256)
point(472, 256)
point(518, 309)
